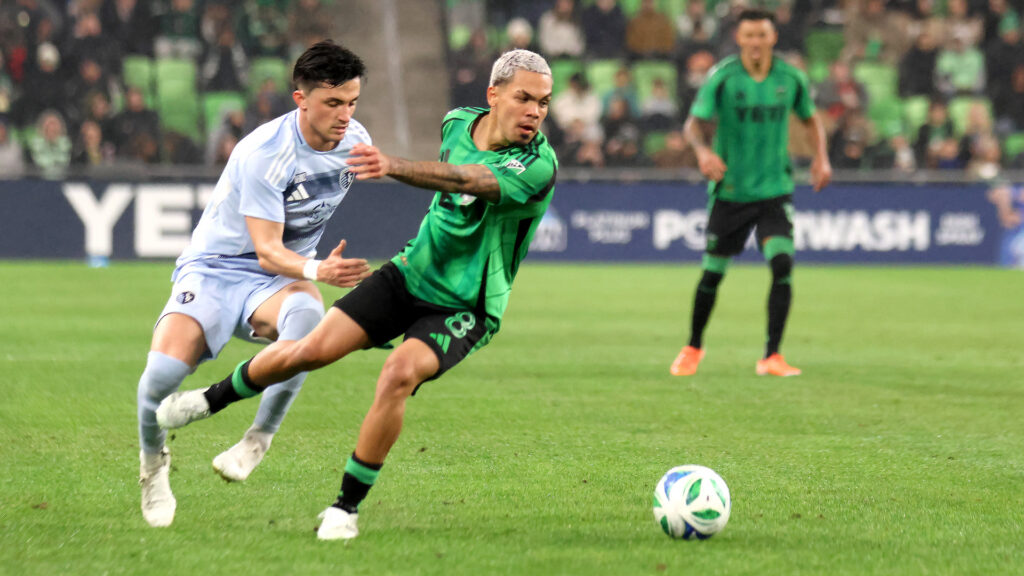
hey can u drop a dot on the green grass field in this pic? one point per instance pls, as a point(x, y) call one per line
point(899, 451)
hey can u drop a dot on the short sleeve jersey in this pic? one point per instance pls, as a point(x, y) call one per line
point(752, 137)
point(468, 250)
point(273, 174)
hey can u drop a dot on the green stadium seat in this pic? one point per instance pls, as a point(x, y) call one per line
point(879, 79)
point(217, 104)
point(644, 73)
point(601, 75)
point(138, 72)
point(959, 108)
point(260, 69)
point(824, 44)
point(817, 71)
point(887, 115)
point(458, 36)
point(1013, 146)
point(630, 7)
point(915, 114)
point(177, 101)
point(654, 142)
point(561, 71)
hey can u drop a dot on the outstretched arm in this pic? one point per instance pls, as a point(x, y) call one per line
point(368, 162)
point(275, 258)
point(696, 131)
point(821, 168)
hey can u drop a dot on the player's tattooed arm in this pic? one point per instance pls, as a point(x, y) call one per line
point(368, 162)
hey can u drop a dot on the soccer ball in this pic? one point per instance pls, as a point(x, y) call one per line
point(691, 501)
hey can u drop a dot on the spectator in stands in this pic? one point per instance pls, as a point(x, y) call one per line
point(1001, 57)
point(659, 111)
point(559, 33)
point(992, 19)
point(223, 138)
point(789, 30)
point(604, 26)
point(959, 23)
point(1010, 106)
point(133, 123)
point(696, 26)
point(6, 88)
point(520, 36)
point(848, 147)
point(623, 90)
point(578, 103)
point(917, 69)
point(923, 17)
point(840, 94)
point(178, 31)
point(98, 110)
point(675, 153)
point(266, 32)
point(309, 22)
point(180, 149)
point(622, 136)
point(581, 147)
point(268, 104)
point(650, 33)
point(893, 153)
point(90, 81)
point(90, 43)
point(471, 70)
point(91, 149)
point(984, 160)
point(225, 66)
point(50, 147)
point(131, 24)
point(43, 88)
point(874, 34)
point(977, 126)
point(618, 120)
point(960, 68)
point(697, 66)
point(12, 159)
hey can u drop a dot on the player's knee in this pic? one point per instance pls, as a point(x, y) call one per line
point(398, 377)
point(782, 267)
point(300, 313)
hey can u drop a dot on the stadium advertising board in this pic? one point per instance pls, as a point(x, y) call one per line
point(597, 221)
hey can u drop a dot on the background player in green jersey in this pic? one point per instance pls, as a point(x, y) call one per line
point(446, 291)
point(751, 97)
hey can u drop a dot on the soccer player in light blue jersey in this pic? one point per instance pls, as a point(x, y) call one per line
point(250, 268)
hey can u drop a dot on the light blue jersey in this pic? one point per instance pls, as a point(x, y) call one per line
point(272, 174)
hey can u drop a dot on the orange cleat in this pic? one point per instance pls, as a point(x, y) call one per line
point(776, 366)
point(687, 361)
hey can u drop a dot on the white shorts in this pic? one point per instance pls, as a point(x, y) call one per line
point(221, 300)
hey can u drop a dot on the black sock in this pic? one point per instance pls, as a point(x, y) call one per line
point(227, 390)
point(703, 302)
point(359, 478)
point(779, 298)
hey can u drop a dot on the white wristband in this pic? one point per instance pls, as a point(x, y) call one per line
point(310, 268)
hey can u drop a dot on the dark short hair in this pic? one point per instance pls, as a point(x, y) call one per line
point(756, 14)
point(326, 63)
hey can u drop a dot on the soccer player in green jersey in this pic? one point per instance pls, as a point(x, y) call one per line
point(751, 187)
point(446, 291)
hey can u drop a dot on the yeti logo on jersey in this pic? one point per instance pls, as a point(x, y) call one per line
point(515, 166)
point(299, 193)
point(185, 297)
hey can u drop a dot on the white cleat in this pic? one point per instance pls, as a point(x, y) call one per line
point(336, 524)
point(236, 463)
point(182, 408)
point(158, 502)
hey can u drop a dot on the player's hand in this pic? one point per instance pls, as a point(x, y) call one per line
point(368, 162)
point(711, 165)
point(342, 272)
point(821, 173)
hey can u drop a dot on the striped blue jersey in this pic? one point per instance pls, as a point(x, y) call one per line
point(273, 174)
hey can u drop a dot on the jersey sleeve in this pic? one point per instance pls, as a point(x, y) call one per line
point(705, 105)
point(263, 176)
point(527, 177)
point(803, 104)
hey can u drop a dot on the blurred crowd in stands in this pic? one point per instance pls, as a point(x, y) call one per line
point(122, 82)
point(902, 84)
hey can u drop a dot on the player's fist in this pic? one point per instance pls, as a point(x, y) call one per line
point(711, 165)
point(342, 272)
point(821, 173)
point(368, 162)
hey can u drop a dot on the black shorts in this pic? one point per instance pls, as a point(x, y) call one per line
point(730, 223)
point(384, 308)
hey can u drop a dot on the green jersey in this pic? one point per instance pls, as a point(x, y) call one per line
point(753, 126)
point(468, 250)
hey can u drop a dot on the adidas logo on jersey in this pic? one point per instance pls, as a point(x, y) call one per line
point(299, 194)
point(515, 166)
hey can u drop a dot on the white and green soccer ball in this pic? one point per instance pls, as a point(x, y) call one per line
point(691, 502)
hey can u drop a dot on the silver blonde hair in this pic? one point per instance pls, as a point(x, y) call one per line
point(506, 66)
